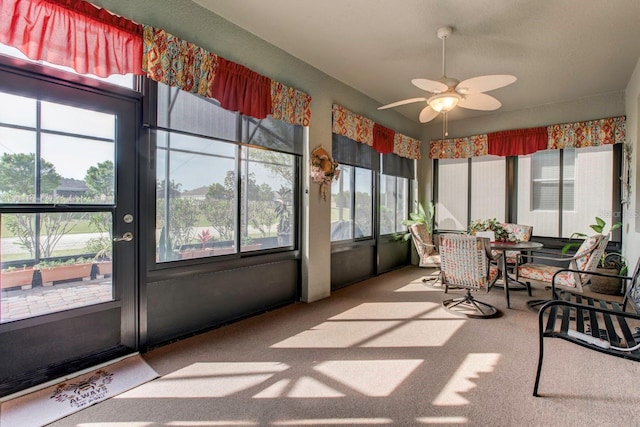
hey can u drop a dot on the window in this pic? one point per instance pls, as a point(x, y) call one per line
point(363, 203)
point(545, 180)
point(586, 176)
point(453, 194)
point(488, 188)
point(216, 195)
point(342, 205)
point(352, 214)
point(196, 196)
point(587, 179)
point(56, 195)
point(352, 197)
point(267, 199)
point(396, 174)
point(394, 200)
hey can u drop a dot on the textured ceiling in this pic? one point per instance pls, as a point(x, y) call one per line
point(560, 50)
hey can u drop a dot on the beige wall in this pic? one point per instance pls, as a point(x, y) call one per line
point(191, 22)
point(631, 237)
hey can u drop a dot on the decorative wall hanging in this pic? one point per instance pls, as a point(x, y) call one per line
point(323, 169)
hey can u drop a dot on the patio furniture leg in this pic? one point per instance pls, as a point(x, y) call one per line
point(541, 351)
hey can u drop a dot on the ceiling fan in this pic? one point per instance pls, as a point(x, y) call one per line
point(446, 93)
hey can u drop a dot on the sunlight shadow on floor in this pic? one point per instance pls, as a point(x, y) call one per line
point(462, 380)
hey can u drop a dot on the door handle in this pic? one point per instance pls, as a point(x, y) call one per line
point(126, 237)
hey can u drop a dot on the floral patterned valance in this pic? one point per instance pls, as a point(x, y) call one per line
point(175, 62)
point(589, 133)
point(366, 131)
point(459, 148)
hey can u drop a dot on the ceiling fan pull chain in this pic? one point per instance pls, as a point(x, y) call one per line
point(445, 125)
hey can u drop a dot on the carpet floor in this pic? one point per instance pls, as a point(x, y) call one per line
point(381, 352)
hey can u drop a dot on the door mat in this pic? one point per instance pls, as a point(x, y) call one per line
point(75, 393)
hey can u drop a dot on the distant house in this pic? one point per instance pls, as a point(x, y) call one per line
point(70, 187)
point(199, 193)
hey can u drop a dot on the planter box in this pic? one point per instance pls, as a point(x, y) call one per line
point(224, 250)
point(18, 277)
point(251, 247)
point(197, 253)
point(65, 272)
point(105, 268)
point(606, 285)
point(218, 250)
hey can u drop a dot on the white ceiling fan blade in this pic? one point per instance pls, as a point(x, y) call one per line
point(427, 114)
point(403, 102)
point(484, 83)
point(430, 85)
point(480, 101)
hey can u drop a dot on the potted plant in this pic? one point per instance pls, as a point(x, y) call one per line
point(58, 271)
point(500, 233)
point(598, 227)
point(12, 276)
point(610, 263)
point(204, 236)
point(422, 216)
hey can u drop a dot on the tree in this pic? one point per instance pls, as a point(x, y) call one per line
point(279, 164)
point(184, 214)
point(18, 172)
point(262, 216)
point(283, 209)
point(17, 180)
point(219, 207)
point(53, 226)
point(102, 244)
point(220, 214)
point(100, 179)
point(174, 189)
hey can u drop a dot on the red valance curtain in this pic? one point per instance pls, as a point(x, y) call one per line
point(364, 130)
point(72, 33)
point(383, 138)
point(179, 63)
point(240, 89)
point(517, 142)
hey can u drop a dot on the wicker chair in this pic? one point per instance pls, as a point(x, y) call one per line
point(466, 263)
point(584, 261)
point(427, 250)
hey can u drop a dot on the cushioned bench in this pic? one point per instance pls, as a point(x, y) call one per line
point(597, 324)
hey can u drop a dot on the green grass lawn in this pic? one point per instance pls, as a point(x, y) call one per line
point(82, 226)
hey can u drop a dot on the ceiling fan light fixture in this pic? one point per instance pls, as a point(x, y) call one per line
point(444, 102)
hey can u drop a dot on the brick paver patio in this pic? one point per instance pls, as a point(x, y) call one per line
point(20, 304)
